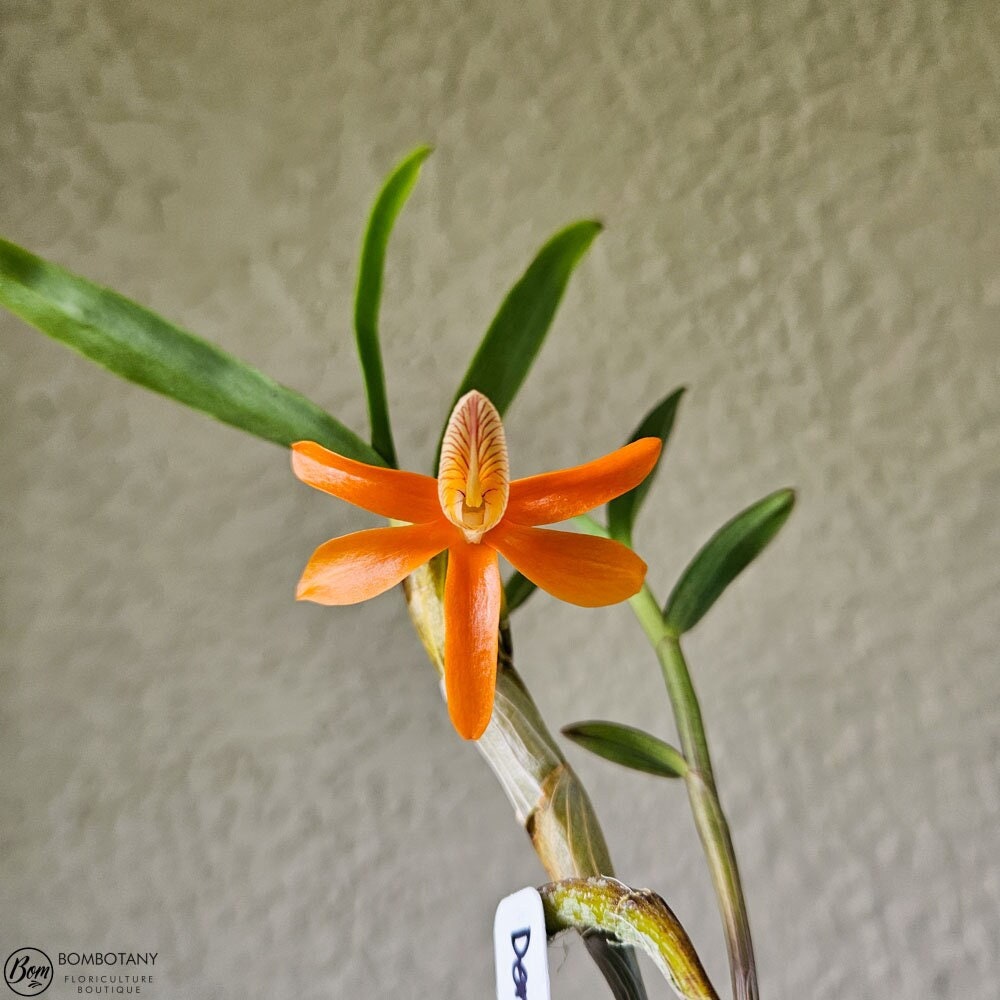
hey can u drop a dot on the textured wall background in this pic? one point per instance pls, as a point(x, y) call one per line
point(801, 207)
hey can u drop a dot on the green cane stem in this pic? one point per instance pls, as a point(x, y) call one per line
point(710, 821)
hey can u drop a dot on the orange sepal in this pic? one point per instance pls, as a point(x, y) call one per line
point(403, 496)
point(557, 496)
point(580, 569)
point(356, 567)
point(471, 636)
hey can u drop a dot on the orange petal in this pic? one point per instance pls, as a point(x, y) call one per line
point(580, 569)
point(471, 636)
point(474, 474)
point(405, 496)
point(556, 496)
point(353, 568)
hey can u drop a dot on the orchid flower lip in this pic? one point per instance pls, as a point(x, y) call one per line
point(474, 472)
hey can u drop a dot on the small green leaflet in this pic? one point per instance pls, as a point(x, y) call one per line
point(632, 748)
point(726, 554)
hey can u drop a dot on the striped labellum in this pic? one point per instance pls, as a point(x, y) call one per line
point(474, 474)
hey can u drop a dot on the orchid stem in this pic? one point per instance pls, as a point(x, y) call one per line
point(636, 917)
point(709, 819)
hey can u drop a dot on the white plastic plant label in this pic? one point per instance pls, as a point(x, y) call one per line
point(521, 948)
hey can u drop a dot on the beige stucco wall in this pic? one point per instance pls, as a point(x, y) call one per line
point(801, 209)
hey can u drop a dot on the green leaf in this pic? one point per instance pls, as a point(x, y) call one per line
point(622, 510)
point(387, 207)
point(517, 590)
point(515, 336)
point(726, 554)
point(628, 746)
point(140, 346)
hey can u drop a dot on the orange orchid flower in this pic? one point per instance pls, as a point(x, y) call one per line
point(475, 512)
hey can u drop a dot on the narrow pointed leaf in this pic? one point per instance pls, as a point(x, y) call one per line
point(628, 746)
point(140, 346)
point(516, 334)
point(517, 590)
point(726, 554)
point(659, 422)
point(367, 301)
